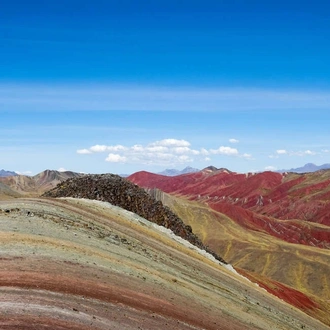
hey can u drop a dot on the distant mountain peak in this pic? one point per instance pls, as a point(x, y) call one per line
point(210, 168)
point(307, 168)
point(34, 185)
point(215, 169)
point(4, 173)
point(175, 172)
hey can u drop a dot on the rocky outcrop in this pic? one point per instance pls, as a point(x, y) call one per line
point(120, 192)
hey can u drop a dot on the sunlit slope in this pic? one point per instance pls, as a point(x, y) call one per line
point(259, 201)
point(7, 193)
point(33, 186)
point(301, 267)
point(78, 264)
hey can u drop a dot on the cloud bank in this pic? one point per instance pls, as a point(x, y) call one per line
point(281, 152)
point(162, 152)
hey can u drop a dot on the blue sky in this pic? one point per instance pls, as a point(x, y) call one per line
point(122, 86)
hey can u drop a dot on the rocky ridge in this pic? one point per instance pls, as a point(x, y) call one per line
point(120, 192)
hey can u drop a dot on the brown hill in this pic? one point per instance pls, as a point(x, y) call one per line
point(38, 184)
point(7, 193)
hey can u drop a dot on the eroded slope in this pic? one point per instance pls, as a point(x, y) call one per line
point(259, 202)
point(271, 262)
point(78, 264)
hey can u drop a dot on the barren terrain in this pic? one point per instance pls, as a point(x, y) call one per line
point(80, 264)
point(234, 214)
point(32, 186)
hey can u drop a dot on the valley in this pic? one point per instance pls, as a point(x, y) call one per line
point(222, 209)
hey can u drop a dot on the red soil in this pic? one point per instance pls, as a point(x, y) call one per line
point(81, 282)
point(256, 201)
point(284, 292)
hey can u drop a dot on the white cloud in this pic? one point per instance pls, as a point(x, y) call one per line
point(309, 152)
point(184, 159)
point(204, 152)
point(83, 151)
point(303, 153)
point(161, 152)
point(115, 158)
point(62, 169)
point(281, 152)
point(156, 149)
point(161, 156)
point(292, 153)
point(116, 148)
point(225, 151)
point(98, 148)
point(137, 148)
point(233, 141)
point(101, 148)
point(182, 150)
point(171, 143)
point(247, 156)
point(270, 168)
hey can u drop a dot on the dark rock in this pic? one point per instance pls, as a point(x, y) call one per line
point(120, 192)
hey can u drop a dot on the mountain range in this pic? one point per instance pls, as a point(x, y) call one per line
point(268, 228)
point(310, 167)
point(307, 168)
point(174, 172)
point(23, 185)
point(272, 227)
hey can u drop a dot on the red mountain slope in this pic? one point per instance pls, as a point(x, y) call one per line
point(260, 202)
point(257, 218)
